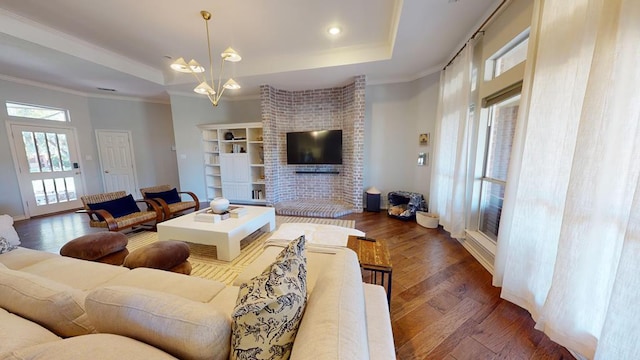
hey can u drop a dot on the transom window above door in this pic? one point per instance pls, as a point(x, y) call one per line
point(37, 112)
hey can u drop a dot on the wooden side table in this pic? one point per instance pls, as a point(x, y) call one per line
point(373, 256)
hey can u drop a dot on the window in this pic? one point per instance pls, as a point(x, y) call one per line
point(37, 112)
point(509, 56)
point(503, 115)
point(48, 152)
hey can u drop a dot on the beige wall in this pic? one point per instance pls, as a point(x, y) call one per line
point(395, 115)
point(188, 111)
point(151, 130)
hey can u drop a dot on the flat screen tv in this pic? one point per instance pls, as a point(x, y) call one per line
point(314, 147)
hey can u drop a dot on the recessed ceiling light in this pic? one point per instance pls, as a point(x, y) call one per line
point(334, 30)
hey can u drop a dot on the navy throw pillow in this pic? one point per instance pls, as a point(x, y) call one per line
point(169, 196)
point(118, 207)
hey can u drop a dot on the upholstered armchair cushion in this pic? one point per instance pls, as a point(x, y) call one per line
point(170, 199)
point(113, 222)
point(169, 196)
point(117, 208)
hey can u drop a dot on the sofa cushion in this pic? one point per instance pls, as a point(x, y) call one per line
point(317, 262)
point(118, 207)
point(188, 287)
point(22, 257)
point(183, 328)
point(225, 300)
point(55, 306)
point(95, 246)
point(169, 196)
point(334, 324)
point(270, 306)
point(7, 231)
point(90, 347)
point(17, 333)
point(6, 246)
point(79, 274)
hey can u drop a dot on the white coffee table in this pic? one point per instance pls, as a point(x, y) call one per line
point(224, 235)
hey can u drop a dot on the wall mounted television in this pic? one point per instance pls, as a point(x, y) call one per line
point(322, 147)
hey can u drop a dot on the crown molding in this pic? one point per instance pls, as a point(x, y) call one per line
point(79, 93)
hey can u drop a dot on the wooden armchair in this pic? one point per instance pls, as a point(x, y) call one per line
point(170, 200)
point(117, 210)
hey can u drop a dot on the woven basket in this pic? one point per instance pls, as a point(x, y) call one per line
point(428, 220)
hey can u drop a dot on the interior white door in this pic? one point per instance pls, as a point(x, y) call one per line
point(49, 170)
point(117, 161)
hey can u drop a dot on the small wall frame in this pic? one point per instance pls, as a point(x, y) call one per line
point(424, 139)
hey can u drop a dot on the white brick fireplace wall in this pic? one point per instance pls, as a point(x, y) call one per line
point(335, 108)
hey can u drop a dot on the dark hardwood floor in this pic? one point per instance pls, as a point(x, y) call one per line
point(443, 305)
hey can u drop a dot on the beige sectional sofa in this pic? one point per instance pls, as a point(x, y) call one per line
point(54, 307)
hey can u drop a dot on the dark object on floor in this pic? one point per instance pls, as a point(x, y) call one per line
point(403, 204)
point(107, 247)
point(373, 199)
point(164, 255)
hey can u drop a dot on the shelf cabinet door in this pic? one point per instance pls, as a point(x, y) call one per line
point(235, 168)
point(236, 191)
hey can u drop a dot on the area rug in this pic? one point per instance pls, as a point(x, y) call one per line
point(204, 260)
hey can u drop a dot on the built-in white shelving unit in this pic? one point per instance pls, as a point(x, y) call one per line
point(234, 162)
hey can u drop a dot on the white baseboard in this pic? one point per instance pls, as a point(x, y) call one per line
point(480, 250)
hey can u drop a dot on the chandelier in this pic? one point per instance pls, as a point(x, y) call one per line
point(208, 87)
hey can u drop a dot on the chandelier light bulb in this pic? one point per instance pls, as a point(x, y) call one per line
point(195, 66)
point(231, 85)
point(180, 66)
point(204, 89)
point(230, 55)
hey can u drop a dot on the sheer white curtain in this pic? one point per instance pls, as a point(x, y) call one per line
point(447, 195)
point(569, 241)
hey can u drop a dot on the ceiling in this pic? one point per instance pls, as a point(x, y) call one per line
point(128, 45)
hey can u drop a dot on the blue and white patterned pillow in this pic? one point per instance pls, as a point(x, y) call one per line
point(270, 306)
point(5, 245)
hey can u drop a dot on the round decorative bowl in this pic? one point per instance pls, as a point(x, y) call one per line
point(219, 205)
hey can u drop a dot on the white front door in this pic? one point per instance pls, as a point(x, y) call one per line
point(49, 170)
point(117, 161)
